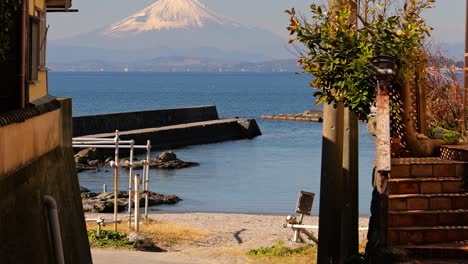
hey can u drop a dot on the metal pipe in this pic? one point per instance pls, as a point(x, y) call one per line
point(116, 177)
point(92, 139)
point(148, 153)
point(103, 221)
point(109, 146)
point(310, 236)
point(94, 142)
point(23, 63)
point(137, 203)
point(97, 141)
point(54, 225)
point(314, 227)
point(130, 173)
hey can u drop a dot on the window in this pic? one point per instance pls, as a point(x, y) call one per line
point(37, 45)
point(42, 40)
point(33, 48)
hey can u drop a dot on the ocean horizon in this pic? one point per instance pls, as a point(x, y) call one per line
point(261, 176)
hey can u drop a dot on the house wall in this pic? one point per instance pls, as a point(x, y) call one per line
point(38, 89)
point(21, 143)
point(36, 159)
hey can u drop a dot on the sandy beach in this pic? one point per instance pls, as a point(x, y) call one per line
point(228, 237)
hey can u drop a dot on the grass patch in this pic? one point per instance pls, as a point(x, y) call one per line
point(161, 233)
point(109, 239)
point(279, 253)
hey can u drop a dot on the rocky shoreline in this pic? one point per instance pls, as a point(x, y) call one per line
point(104, 202)
point(94, 159)
point(307, 116)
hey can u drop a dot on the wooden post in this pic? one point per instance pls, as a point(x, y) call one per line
point(331, 186)
point(339, 213)
point(350, 207)
point(350, 211)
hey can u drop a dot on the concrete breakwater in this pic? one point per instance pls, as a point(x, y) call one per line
point(124, 121)
point(307, 116)
point(168, 128)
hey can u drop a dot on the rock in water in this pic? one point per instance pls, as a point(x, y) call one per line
point(104, 202)
point(167, 156)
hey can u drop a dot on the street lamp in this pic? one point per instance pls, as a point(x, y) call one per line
point(383, 69)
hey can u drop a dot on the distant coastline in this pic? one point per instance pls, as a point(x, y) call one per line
point(178, 64)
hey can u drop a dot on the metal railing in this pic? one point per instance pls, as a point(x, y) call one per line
point(116, 143)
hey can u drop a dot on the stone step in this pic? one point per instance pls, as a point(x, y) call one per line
point(417, 235)
point(428, 218)
point(454, 152)
point(427, 167)
point(441, 201)
point(425, 185)
point(442, 251)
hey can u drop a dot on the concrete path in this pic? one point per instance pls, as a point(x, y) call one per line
point(109, 256)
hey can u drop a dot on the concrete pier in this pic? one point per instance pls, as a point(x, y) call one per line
point(192, 133)
point(124, 121)
point(167, 128)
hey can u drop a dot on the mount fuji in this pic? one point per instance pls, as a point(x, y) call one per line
point(172, 28)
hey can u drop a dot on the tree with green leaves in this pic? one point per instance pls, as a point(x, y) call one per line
point(338, 53)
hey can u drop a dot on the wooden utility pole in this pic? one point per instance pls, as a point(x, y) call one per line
point(338, 217)
point(331, 186)
point(350, 211)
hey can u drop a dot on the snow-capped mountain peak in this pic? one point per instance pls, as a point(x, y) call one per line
point(169, 14)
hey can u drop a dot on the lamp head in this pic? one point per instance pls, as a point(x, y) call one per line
point(383, 66)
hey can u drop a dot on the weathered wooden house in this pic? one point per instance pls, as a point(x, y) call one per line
point(41, 216)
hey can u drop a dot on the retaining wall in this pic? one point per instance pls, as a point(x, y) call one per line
point(46, 168)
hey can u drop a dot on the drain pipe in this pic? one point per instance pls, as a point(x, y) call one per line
point(24, 31)
point(54, 226)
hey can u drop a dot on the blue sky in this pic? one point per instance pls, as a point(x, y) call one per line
point(448, 18)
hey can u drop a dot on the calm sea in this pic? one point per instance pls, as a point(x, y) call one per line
point(263, 175)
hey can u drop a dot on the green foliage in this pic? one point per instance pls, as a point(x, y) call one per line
point(7, 10)
point(280, 250)
point(444, 134)
point(444, 97)
point(338, 49)
point(109, 239)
